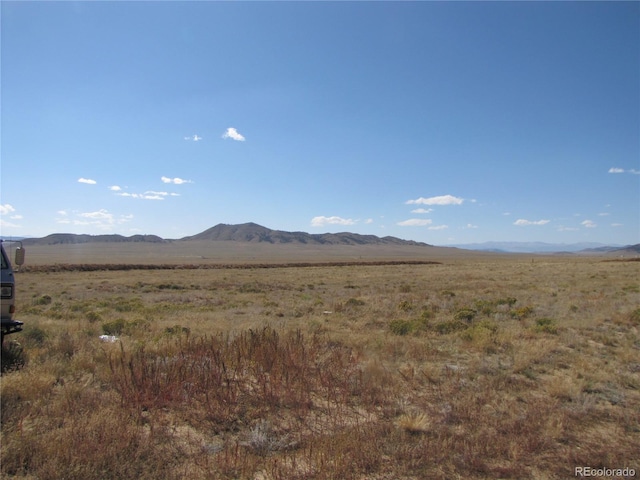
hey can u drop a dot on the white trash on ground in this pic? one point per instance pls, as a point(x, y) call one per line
point(108, 338)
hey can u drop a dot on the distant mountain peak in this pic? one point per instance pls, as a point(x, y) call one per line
point(252, 232)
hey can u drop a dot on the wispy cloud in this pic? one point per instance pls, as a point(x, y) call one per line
point(115, 188)
point(175, 181)
point(233, 134)
point(589, 224)
point(622, 170)
point(321, 221)
point(98, 215)
point(101, 219)
point(4, 223)
point(439, 227)
point(145, 196)
point(439, 200)
point(8, 210)
point(524, 223)
point(88, 181)
point(193, 138)
point(422, 210)
point(415, 222)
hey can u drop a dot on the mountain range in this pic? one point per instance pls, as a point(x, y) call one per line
point(246, 232)
point(254, 233)
point(540, 247)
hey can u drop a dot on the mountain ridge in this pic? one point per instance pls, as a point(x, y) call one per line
point(245, 232)
point(252, 232)
point(542, 247)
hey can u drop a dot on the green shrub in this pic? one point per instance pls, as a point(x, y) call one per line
point(114, 327)
point(428, 312)
point(354, 302)
point(92, 316)
point(465, 314)
point(128, 305)
point(546, 325)
point(34, 335)
point(401, 327)
point(43, 300)
point(177, 329)
point(405, 306)
point(511, 301)
point(486, 307)
point(522, 312)
point(450, 326)
point(121, 326)
point(482, 333)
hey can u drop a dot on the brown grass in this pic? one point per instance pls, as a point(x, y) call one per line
point(469, 369)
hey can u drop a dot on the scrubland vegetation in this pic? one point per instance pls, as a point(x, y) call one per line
point(506, 369)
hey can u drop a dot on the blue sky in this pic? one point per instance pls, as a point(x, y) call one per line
point(442, 122)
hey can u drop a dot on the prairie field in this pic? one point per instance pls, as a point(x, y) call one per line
point(471, 367)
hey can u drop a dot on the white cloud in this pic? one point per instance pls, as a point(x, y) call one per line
point(101, 219)
point(633, 171)
point(99, 215)
point(439, 227)
point(6, 209)
point(233, 134)
point(415, 222)
point(523, 223)
point(440, 200)
point(115, 188)
point(322, 221)
point(469, 225)
point(589, 224)
point(88, 181)
point(368, 221)
point(422, 210)
point(193, 138)
point(616, 224)
point(175, 181)
point(145, 196)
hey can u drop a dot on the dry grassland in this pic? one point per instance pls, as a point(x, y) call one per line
point(469, 369)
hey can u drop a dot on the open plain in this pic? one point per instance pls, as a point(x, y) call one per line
point(354, 363)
